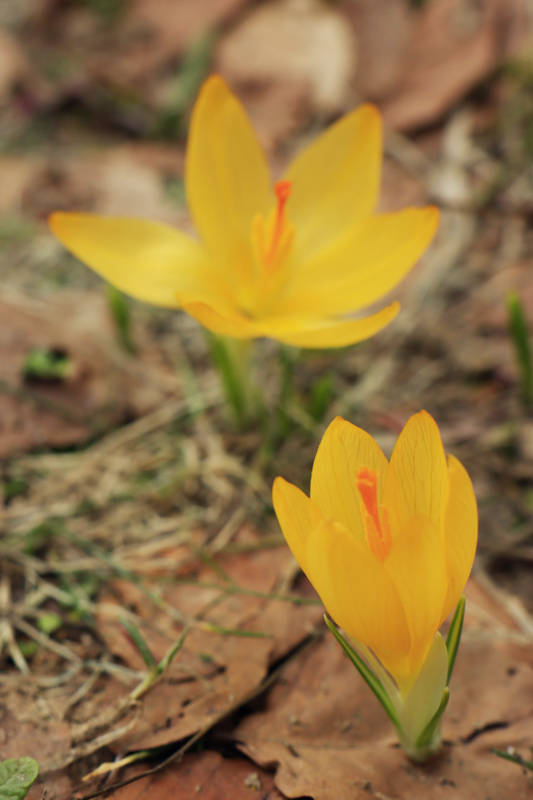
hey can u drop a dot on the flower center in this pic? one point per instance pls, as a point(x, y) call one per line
point(375, 517)
point(273, 237)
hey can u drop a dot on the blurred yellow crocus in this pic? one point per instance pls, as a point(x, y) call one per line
point(291, 261)
point(388, 546)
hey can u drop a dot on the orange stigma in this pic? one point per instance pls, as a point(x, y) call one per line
point(272, 237)
point(376, 525)
point(282, 190)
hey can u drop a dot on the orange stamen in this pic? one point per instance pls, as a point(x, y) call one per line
point(376, 524)
point(282, 190)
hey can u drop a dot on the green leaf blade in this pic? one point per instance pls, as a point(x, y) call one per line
point(454, 634)
point(366, 673)
point(16, 777)
point(425, 738)
point(140, 643)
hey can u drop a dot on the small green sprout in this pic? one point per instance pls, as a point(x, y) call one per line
point(120, 311)
point(46, 365)
point(521, 337)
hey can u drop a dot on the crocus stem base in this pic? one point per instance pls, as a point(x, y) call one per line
point(233, 358)
point(421, 754)
point(416, 710)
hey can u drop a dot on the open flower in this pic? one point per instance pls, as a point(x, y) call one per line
point(388, 546)
point(289, 261)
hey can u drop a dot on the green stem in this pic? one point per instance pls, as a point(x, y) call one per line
point(419, 736)
point(428, 742)
point(233, 358)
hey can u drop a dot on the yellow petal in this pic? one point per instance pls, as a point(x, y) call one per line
point(225, 324)
point(460, 532)
point(362, 266)
point(326, 332)
point(358, 594)
point(317, 333)
point(352, 584)
point(148, 260)
point(416, 565)
point(343, 451)
point(416, 484)
point(335, 180)
point(227, 178)
point(296, 516)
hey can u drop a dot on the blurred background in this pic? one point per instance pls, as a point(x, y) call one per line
point(95, 98)
point(115, 446)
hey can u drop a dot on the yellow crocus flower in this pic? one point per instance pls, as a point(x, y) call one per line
point(291, 261)
point(388, 546)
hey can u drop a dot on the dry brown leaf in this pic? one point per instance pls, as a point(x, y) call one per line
point(124, 180)
point(488, 346)
point(27, 728)
point(13, 64)
point(53, 786)
point(490, 312)
point(277, 110)
point(91, 55)
point(103, 386)
point(213, 672)
point(26, 12)
point(383, 30)
point(19, 174)
point(399, 188)
point(204, 775)
point(300, 53)
point(332, 741)
point(153, 32)
point(418, 63)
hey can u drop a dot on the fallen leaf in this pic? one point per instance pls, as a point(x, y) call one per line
point(301, 52)
point(277, 110)
point(214, 671)
point(13, 64)
point(103, 386)
point(206, 775)
point(127, 180)
point(321, 721)
point(418, 63)
point(400, 188)
point(29, 729)
point(19, 174)
point(113, 57)
point(383, 31)
point(490, 310)
point(168, 27)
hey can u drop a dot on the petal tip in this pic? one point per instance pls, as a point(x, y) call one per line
point(433, 212)
point(278, 484)
point(336, 424)
point(372, 120)
point(394, 309)
point(432, 219)
point(425, 418)
point(215, 86)
point(54, 219)
point(215, 81)
point(423, 414)
point(371, 111)
point(422, 426)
